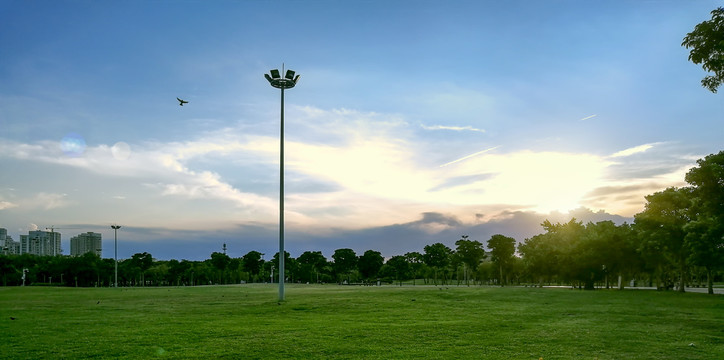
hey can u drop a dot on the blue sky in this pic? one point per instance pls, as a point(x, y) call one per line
point(412, 123)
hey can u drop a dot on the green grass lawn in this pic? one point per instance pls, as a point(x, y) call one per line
point(344, 322)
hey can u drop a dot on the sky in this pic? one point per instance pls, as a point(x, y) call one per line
point(413, 122)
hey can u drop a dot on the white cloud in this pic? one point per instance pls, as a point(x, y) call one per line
point(376, 171)
point(634, 150)
point(7, 205)
point(46, 201)
point(121, 150)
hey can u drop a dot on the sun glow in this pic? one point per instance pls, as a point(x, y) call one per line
point(543, 182)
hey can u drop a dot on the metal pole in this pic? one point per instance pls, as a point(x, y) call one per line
point(115, 254)
point(281, 205)
point(286, 82)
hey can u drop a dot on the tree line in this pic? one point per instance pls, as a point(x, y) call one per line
point(678, 239)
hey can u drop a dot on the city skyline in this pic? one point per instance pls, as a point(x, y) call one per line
point(411, 122)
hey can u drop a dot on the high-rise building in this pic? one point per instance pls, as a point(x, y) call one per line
point(84, 243)
point(3, 235)
point(42, 243)
point(7, 245)
point(11, 247)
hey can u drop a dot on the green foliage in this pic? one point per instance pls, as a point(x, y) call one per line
point(437, 257)
point(142, 260)
point(370, 263)
point(311, 263)
point(555, 253)
point(661, 226)
point(220, 261)
point(707, 48)
point(336, 322)
point(252, 262)
point(706, 245)
point(290, 264)
point(345, 260)
point(502, 249)
point(705, 232)
point(399, 267)
point(470, 252)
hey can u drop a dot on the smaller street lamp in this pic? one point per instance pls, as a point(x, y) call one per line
point(115, 252)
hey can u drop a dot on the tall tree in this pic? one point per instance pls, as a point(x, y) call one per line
point(220, 262)
point(611, 250)
point(471, 253)
point(593, 255)
point(370, 263)
point(706, 246)
point(143, 261)
point(539, 257)
point(707, 48)
point(252, 262)
point(502, 249)
point(553, 254)
point(290, 265)
point(400, 266)
point(662, 224)
point(311, 263)
point(345, 260)
point(416, 261)
point(705, 233)
point(437, 256)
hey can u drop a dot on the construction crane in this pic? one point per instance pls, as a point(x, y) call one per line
point(53, 227)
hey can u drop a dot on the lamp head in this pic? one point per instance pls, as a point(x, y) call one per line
point(287, 82)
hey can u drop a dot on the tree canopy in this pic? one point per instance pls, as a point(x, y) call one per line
point(707, 48)
point(502, 249)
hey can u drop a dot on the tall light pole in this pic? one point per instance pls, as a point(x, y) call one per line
point(286, 82)
point(115, 252)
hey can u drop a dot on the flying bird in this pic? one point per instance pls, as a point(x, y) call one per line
point(181, 102)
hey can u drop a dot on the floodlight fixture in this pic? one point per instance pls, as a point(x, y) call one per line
point(286, 82)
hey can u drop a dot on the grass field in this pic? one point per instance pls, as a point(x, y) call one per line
point(338, 322)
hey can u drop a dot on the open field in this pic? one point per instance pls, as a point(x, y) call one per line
point(341, 322)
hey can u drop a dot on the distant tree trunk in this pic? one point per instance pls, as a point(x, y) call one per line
point(709, 282)
point(682, 277)
point(589, 284)
point(502, 282)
